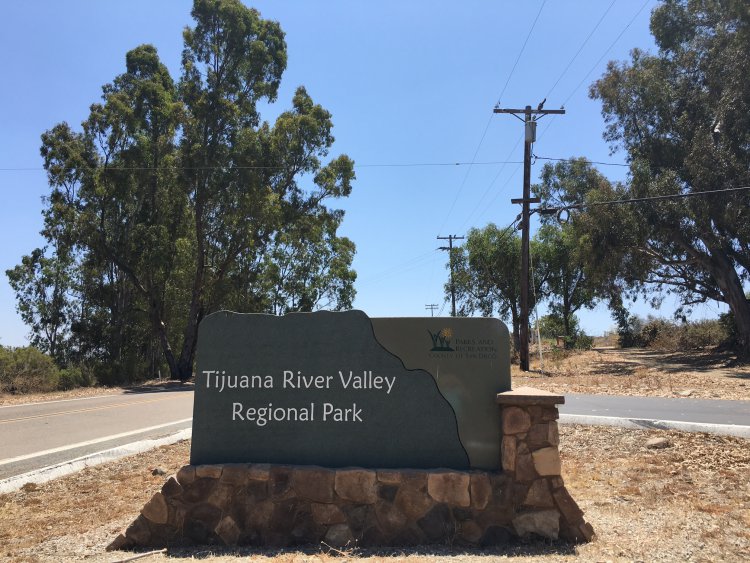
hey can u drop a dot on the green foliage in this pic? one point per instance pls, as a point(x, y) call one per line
point(73, 377)
point(43, 286)
point(486, 275)
point(175, 200)
point(683, 116)
point(551, 326)
point(663, 334)
point(567, 284)
point(583, 341)
point(27, 369)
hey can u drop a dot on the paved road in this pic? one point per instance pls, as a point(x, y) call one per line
point(707, 411)
point(38, 435)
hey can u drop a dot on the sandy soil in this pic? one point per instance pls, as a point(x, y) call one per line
point(687, 502)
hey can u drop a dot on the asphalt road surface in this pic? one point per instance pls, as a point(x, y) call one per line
point(706, 411)
point(39, 435)
point(34, 436)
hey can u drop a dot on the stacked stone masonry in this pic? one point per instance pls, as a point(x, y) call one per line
point(274, 505)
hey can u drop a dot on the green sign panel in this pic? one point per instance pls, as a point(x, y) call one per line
point(341, 389)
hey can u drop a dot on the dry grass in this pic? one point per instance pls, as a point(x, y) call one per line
point(638, 372)
point(690, 501)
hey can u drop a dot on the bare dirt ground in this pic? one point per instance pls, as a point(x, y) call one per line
point(687, 502)
point(639, 372)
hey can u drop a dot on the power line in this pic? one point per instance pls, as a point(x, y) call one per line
point(552, 210)
point(518, 58)
point(399, 268)
point(587, 160)
point(596, 64)
point(378, 165)
point(502, 163)
point(432, 307)
point(530, 118)
point(585, 41)
point(492, 183)
point(489, 121)
point(466, 176)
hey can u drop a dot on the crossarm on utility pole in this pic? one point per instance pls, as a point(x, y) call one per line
point(530, 116)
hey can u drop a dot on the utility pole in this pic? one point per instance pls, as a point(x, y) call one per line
point(432, 307)
point(530, 117)
point(449, 248)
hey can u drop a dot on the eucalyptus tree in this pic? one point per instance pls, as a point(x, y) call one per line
point(487, 276)
point(683, 117)
point(177, 192)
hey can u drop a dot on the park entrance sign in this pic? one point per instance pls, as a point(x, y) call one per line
point(339, 389)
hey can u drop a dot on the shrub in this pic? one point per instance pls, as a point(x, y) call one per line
point(698, 335)
point(663, 334)
point(26, 369)
point(583, 341)
point(76, 376)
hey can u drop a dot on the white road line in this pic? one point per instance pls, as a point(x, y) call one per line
point(67, 467)
point(90, 442)
point(654, 424)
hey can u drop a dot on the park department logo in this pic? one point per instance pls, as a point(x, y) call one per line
point(441, 340)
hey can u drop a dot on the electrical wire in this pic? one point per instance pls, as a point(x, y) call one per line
point(575, 159)
point(466, 176)
point(401, 267)
point(551, 210)
point(492, 183)
point(596, 64)
point(523, 47)
point(489, 121)
point(585, 41)
point(378, 165)
point(594, 67)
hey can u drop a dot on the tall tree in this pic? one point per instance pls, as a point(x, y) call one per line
point(683, 116)
point(568, 287)
point(487, 274)
point(177, 192)
point(43, 285)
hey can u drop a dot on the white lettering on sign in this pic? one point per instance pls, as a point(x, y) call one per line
point(366, 381)
point(299, 381)
point(220, 381)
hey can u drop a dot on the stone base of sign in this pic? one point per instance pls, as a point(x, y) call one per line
point(280, 505)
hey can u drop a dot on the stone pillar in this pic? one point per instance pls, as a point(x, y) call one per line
point(530, 455)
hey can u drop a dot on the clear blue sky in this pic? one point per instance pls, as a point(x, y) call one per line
point(408, 83)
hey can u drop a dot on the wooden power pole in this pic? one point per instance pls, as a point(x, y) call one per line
point(449, 248)
point(530, 117)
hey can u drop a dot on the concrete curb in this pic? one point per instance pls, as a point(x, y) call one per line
point(651, 424)
point(45, 474)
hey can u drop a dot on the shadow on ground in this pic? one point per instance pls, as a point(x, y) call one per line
point(514, 548)
point(671, 362)
point(160, 387)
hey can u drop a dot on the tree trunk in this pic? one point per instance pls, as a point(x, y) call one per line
point(731, 288)
point(161, 332)
point(516, 330)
